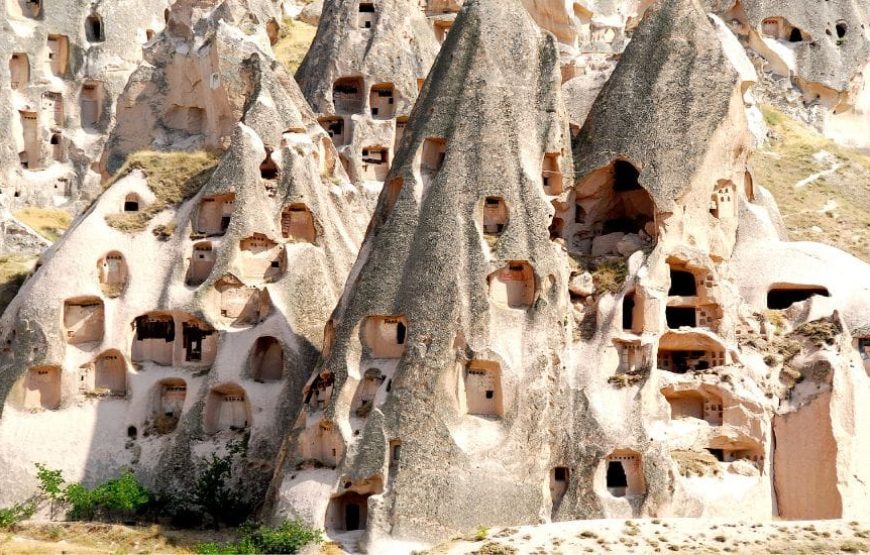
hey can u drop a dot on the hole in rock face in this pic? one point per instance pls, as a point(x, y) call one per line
point(268, 168)
point(42, 388)
point(382, 101)
point(679, 316)
point(367, 15)
point(625, 177)
point(483, 388)
point(795, 35)
point(624, 474)
point(841, 30)
point(682, 284)
point(347, 95)
point(94, 28)
point(628, 312)
point(495, 215)
point(779, 298)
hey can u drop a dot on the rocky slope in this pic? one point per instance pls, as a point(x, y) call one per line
point(591, 345)
point(533, 274)
point(203, 285)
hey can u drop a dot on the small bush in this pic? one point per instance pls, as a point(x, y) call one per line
point(112, 500)
point(15, 514)
point(289, 537)
point(213, 490)
point(481, 533)
point(609, 275)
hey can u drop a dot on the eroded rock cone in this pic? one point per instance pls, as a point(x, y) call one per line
point(464, 382)
point(362, 75)
point(443, 317)
point(185, 310)
point(64, 64)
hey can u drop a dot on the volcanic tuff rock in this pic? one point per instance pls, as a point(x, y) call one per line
point(573, 299)
point(462, 384)
point(185, 309)
point(66, 61)
point(196, 80)
point(822, 47)
point(361, 76)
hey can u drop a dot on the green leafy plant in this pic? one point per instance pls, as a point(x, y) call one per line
point(481, 533)
point(51, 485)
point(15, 514)
point(289, 537)
point(214, 492)
point(112, 500)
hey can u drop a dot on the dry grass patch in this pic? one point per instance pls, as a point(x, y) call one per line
point(788, 159)
point(173, 177)
point(89, 537)
point(695, 463)
point(48, 222)
point(820, 332)
point(13, 272)
point(294, 40)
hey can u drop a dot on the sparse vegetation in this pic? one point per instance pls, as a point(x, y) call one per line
point(695, 463)
point(481, 533)
point(833, 209)
point(289, 537)
point(48, 222)
point(15, 514)
point(293, 41)
point(820, 332)
point(13, 271)
point(93, 537)
point(624, 380)
point(173, 177)
point(496, 548)
point(115, 499)
point(609, 275)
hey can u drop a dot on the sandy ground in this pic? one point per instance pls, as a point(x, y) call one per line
point(564, 538)
point(668, 536)
point(90, 537)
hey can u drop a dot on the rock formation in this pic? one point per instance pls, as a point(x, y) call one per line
point(820, 49)
point(522, 340)
point(572, 300)
point(185, 309)
point(362, 75)
point(65, 63)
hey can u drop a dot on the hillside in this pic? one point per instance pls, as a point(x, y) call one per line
point(822, 189)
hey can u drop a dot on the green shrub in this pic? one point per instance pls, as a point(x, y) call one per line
point(51, 485)
point(213, 491)
point(118, 498)
point(289, 537)
point(15, 514)
point(113, 500)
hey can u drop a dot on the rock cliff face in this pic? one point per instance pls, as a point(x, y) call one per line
point(533, 332)
point(196, 80)
point(819, 50)
point(202, 285)
point(527, 277)
point(64, 65)
point(362, 75)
